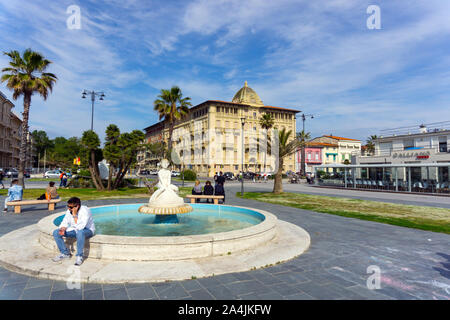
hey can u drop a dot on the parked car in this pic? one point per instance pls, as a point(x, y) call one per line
point(52, 174)
point(175, 173)
point(144, 172)
point(12, 173)
point(229, 175)
point(153, 172)
point(249, 175)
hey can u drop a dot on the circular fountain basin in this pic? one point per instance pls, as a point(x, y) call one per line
point(122, 233)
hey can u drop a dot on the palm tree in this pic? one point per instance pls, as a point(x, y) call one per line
point(370, 145)
point(303, 137)
point(266, 122)
point(285, 149)
point(26, 76)
point(171, 106)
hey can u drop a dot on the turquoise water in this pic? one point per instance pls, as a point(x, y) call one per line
point(125, 220)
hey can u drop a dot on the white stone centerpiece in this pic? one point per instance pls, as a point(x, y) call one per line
point(165, 200)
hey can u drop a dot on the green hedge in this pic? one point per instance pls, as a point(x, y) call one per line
point(189, 175)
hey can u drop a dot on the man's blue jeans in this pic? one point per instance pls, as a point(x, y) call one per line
point(80, 235)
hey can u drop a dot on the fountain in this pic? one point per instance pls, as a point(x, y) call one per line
point(158, 241)
point(165, 202)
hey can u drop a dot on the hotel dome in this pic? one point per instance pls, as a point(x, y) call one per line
point(247, 95)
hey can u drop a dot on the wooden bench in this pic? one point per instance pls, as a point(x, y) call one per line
point(193, 197)
point(18, 204)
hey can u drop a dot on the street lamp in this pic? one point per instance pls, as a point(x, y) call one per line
point(93, 94)
point(303, 117)
point(242, 153)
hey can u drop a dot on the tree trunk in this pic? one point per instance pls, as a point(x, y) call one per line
point(93, 168)
point(278, 183)
point(110, 173)
point(23, 140)
point(120, 177)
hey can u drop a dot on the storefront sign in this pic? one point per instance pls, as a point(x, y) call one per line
point(411, 154)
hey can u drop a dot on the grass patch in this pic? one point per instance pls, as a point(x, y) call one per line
point(418, 217)
point(93, 194)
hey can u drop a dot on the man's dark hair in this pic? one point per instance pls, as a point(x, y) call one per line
point(208, 183)
point(220, 172)
point(74, 201)
point(15, 181)
point(51, 183)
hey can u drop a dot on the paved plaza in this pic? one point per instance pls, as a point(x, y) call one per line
point(414, 264)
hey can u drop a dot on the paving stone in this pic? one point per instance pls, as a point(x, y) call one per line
point(369, 294)
point(221, 293)
point(91, 286)
point(36, 282)
point(170, 291)
point(266, 277)
point(12, 291)
point(67, 294)
point(270, 295)
point(190, 285)
point(285, 289)
point(107, 287)
point(144, 292)
point(292, 277)
point(245, 287)
point(243, 276)
point(323, 292)
point(37, 293)
point(299, 296)
point(201, 294)
point(17, 278)
point(116, 294)
point(209, 282)
point(228, 278)
point(93, 294)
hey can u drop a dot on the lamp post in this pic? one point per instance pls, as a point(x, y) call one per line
point(242, 153)
point(303, 117)
point(93, 94)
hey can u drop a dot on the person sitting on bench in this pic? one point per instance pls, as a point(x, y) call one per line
point(15, 193)
point(77, 223)
point(51, 191)
point(208, 190)
point(197, 190)
point(220, 191)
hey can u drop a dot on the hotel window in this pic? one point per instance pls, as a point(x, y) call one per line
point(218, 124)
point(442, 144)
point(407, 144)
point(226, 110)
point(254, 115)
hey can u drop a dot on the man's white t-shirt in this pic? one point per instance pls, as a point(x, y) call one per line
point(84, 220)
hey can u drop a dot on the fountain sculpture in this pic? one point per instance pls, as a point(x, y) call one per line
point(165, 202)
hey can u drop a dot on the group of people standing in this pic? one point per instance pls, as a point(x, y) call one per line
point(209, 190)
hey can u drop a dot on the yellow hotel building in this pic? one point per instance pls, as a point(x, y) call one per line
point(209, 139)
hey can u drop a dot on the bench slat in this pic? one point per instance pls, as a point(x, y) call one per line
point(25, 202)
point(203, 196)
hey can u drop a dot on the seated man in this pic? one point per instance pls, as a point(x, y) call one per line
point(77, 223)
point(15, 193)
point(208, 190)
point(220, 191)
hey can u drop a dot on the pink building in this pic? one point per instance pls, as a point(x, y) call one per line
point(313, 157)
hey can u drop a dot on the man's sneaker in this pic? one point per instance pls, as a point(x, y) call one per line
point(79, 261)
point(61, 257)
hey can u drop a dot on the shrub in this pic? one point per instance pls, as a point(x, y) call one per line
point(189, 175)
point(84, 173)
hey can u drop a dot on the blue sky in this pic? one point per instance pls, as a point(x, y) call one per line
point(315, 56)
